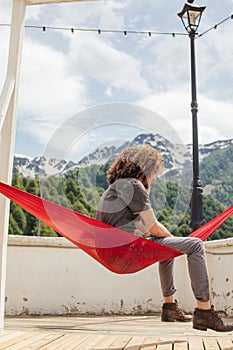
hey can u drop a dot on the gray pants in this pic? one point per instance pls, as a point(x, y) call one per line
point(194, 249)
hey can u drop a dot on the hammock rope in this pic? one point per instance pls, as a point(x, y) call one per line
point(119, 251)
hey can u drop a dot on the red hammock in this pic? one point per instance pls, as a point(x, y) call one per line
point(119, 251)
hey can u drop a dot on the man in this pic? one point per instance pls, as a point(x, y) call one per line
point(126, 205)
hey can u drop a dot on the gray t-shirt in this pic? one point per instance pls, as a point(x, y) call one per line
point(122, 202)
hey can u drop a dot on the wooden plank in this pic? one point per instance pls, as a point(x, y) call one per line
point(195, 343)
point(73, 342)
point(225, 344)
point(165, 345)
point(50, 342)
point(53, 341)
point(120, 343)
point(105, 342)
point(149, 343)
point(45, 340)
point(26, 342)
point(3, 333)
point(89, 342)
point(14, 338)
point(83, 339)
point(135, 343)
point(62, 341)
point(180, 344)
point(10, 335)
point(210, 344)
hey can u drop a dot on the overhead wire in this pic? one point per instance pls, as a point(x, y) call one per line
point(99, 31)
point(215, 26)
point(118, 31)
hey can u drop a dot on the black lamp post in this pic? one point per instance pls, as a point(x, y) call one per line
point(191, 16)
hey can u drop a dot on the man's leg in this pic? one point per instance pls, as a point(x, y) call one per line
point(204, 318)
point(194, 249)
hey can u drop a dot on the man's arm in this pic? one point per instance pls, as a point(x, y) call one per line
point(153, 226)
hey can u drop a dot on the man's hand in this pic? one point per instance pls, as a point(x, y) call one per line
point(153, 226)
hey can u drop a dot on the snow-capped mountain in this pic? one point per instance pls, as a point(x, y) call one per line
point(102, 155)
point(209, 148)
point(175, 156)
point(40, 166)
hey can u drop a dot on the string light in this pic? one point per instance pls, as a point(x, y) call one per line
point(215, 26)
point(99, 31)
point(124, 32)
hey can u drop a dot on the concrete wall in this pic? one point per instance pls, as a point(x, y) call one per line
point(51, 276)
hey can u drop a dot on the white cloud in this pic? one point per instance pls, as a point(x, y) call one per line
point(169, 67)
point(47, 91)
point(33, 12)
point(89, 14)
point(94, 58)
point(173, 106)
point(5, 13)
point(108, 91)
point(118, 5)
point(214, 60)
point(39, 130)
point(214, 117)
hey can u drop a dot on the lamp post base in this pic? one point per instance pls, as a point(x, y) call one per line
point(196, 206)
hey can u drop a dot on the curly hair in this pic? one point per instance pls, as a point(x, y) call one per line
point(136, 162)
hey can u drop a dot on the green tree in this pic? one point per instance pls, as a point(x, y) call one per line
point(32, 186)
point(44, 230)
point(14, 228)
point(16, 181)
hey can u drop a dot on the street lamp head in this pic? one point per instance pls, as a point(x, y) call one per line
point(191, 16)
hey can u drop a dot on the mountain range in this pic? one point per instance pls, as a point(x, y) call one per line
point(176, 156)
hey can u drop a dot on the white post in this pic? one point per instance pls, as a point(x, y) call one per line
point(5, 97)
point(8, 138)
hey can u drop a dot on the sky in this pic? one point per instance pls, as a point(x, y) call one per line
point(79, 91)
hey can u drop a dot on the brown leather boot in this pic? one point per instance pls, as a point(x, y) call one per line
point(204, 319)
point(171, 312)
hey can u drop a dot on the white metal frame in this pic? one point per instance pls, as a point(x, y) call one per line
point(8, 114)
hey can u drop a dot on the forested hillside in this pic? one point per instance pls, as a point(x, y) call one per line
point(81, 189)
point(216, 173)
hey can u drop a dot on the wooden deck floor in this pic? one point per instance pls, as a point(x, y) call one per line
point(113, 332)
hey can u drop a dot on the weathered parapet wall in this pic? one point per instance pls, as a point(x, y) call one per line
point(220, 264)
point(50, 276)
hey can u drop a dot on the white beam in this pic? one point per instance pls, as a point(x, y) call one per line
point(8, 137)
point(44, 2)
point(5, 97)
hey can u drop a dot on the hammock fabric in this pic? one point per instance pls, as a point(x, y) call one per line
point(119, 251)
